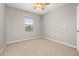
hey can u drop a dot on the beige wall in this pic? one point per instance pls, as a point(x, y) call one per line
point(2, 25)
point(15, 24)
point(60, 24)
point(78, 17)
point(77, 27)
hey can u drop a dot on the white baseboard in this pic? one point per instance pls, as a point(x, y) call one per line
point(1, 50)
point(60, 42)
point(42, 37)
point(23, 40)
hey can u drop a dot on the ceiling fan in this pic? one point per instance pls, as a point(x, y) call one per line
point(41, 6)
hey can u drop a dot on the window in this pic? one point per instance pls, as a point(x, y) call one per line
point(28, 24)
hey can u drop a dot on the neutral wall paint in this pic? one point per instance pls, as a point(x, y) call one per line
point(78, 17)
point(15, 24)
point(78, 27)
point(2, 26)
point(78, 41)
point(60, 24)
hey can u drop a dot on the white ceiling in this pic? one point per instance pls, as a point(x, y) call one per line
point(30, 7)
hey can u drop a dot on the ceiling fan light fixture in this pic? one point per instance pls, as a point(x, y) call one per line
point(41, 6)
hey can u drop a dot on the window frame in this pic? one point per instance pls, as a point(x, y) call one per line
point(32, 24)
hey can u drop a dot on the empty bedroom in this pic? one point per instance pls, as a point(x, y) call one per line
point(39, 29)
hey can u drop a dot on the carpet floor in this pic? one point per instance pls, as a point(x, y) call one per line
point(38, 47)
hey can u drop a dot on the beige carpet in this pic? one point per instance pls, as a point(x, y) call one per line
point(38, 47)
